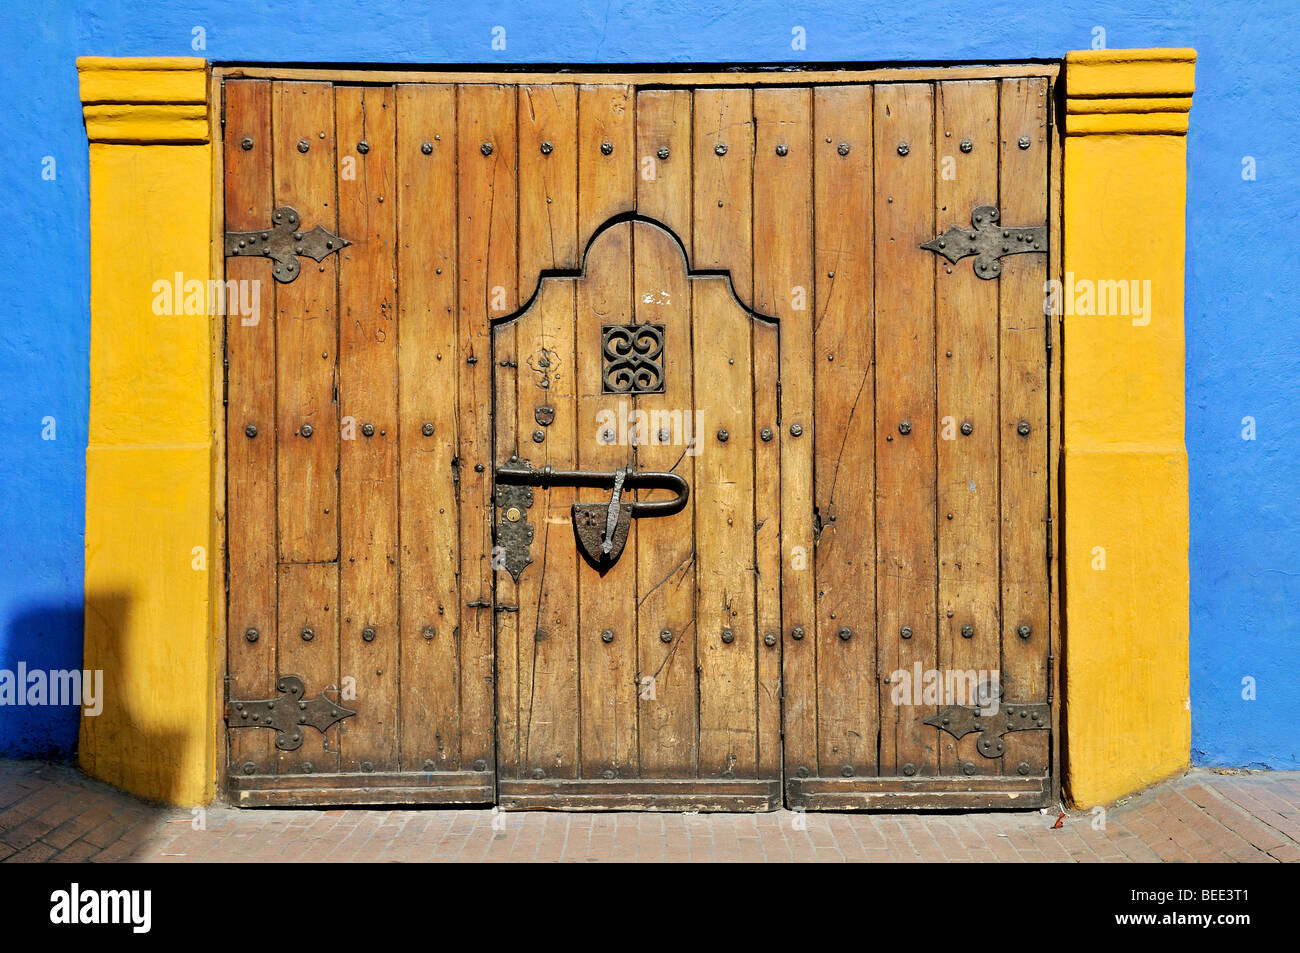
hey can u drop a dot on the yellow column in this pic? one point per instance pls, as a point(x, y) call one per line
point(1127, 714)
point(151, 546)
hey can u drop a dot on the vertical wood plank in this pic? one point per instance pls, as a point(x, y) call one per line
point(606, 601)
point(548, 182)
point(783, 287)
point(905, 395)
point(846, 684)
point(724, 521)
point(427, 371)
point(368, 633)
point(549, 609)
point(307, 466)
point(665, 547)
point(1024, 397)
point(723, 168)
point(767, 543)
point(250, 461)
point(306, 331)
point(488, 277)
point(966, 343)
point(663, 122)
point(606, 155)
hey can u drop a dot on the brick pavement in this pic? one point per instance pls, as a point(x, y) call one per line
point(51, 812)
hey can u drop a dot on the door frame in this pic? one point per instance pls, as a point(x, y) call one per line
point(1123, 120)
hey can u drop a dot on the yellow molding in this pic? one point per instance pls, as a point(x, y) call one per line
point(152, 543)
point(1124, 468)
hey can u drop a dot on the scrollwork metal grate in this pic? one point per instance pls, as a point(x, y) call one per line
point(633, 358)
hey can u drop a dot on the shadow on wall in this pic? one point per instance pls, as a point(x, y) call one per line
point(122, 745)
point(39, 639)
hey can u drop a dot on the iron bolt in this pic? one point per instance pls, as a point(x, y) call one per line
point(967, 145)
point(801, 771)
point(608, 774)
point(728, 636)
point(723, 435)
point(367, 766)
point(968, 768)
point(967, 428)
point(1023, 767)
point(662, 153)
point(480, 764)
point(1022, 428)
point(847, 771)
point(251, 634)
point(720, 149)
point(909, 769)
point(363, 147)
point(303, 145)
point(306, 430)
point(606, 147)
point(796, 430)
point(769, 640)
point(427, 430)
point(250, 768)
point(1024, 142)
point(905, 427)
point(968, 631)
point(796, 633)
point(782, 149)
point(368, 634)
point(1024, 631)
point(430, 764)
point(246, 143)
point(766, 434)
point(368, 430)
point(539, 436)
point(546, 148)
point(905, 631)
point(426, 148)
point(666, 636)
point(308, 633)
point(607, 636)
point(903, 149)
point(845, 633)
point(538, 774)
point(843, 148)
point(486, 148)
point(250, 430)
point(308, 767)
point(428, 632)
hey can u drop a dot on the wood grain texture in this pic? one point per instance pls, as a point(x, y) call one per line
point(487, 272)
point(905, 395)
point(1024, 397)
point(428, 372)
point(368, 333)
point(548, 182)
point(250, 461)
point(606, 156)
point(663, 122)
point(966, 342)
point(723, 170)
point(308, 648)
point(845, 683)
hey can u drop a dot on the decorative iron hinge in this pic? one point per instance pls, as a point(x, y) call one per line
point(283, 242)
point(988, 241)
point(960, 721)
point(287, 715)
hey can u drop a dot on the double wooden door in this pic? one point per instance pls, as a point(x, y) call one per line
point(624, 444)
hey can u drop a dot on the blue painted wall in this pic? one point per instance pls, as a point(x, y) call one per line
point(1243, 336)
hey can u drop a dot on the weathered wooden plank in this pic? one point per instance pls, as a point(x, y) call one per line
point(905, 401)
point(724, 522)
point(966, 362)
point(306, 329)
point(1024, 397)
point(250, 461)
point(549, 708)
point(368, 633)
point(723, 154)
point(784, 288)
point(663, 149)
point(846, 684)
point(606, 156)
point(548, 182)
point(488, 279)
point(428, 369)
point(606, 600)
point(308, 647)
point(665, 547)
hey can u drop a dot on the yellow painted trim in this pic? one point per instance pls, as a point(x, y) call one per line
point(1124, 469)
point(152, 549)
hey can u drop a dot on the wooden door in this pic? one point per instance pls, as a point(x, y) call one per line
point(828, 294)
point(627, 637)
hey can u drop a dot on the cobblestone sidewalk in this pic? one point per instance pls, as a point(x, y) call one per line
point(51, 812)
